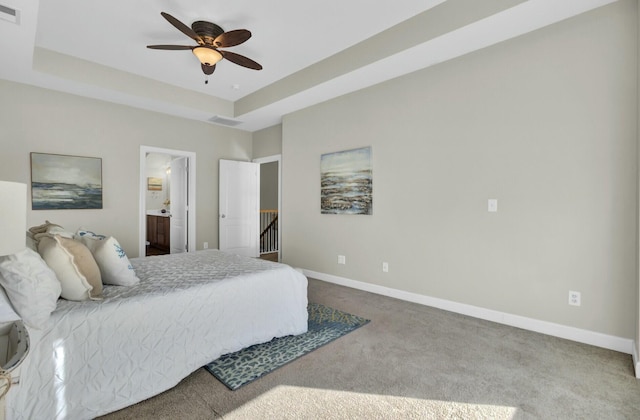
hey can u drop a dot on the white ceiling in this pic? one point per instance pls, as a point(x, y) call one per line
point(290, 37)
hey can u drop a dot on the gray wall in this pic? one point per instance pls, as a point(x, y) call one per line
point(39, 120)
point(269, 186)
point(267, 142)
point(545, 123)
point(637, 338)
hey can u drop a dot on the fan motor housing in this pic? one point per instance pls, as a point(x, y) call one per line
point(208, 31)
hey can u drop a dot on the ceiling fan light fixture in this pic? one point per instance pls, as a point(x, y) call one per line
point(207, 55)
point(209, 37)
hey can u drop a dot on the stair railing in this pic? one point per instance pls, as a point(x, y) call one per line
point(268, 231)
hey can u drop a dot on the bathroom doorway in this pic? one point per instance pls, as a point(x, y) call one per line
point(167, 201)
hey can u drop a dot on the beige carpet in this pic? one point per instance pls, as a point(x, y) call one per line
point(416, 362)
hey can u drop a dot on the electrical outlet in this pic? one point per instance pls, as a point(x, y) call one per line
point(492, 205)
point(385, 267)
point(205, 245)
point(574, 298)
point(342, 259)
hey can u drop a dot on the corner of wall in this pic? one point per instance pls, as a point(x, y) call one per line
point(267, 142)
point(636, 360)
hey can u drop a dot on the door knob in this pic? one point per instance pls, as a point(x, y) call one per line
point(223, 216)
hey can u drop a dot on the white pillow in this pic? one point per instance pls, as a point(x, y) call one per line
point(115, 267)
point(31, 243)
point(7, 313)
point(75, 267)
point(31, 286)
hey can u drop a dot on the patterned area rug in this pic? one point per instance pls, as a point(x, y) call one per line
point(325, 325)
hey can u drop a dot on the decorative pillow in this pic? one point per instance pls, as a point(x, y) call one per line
point(44, 228)
point(84, 232)
point(31, 286)
point(54, 230)
point(115, 267)
point(47, 229)
point(57, 230)
point(75, 267)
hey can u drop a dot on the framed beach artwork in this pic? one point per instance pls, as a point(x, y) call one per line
point(346, 182)
point(61, 182)
point(154, 184)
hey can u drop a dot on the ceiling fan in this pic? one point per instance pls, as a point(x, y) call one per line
point(210, 37)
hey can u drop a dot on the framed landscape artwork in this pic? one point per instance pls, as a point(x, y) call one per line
point(60, 182)
point(346, 182)
point(154, 184)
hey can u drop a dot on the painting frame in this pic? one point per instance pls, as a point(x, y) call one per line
point(154, 184)
point(346, 182)
point(65, 182)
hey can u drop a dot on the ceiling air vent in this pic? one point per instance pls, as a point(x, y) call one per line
point(10, 14)
point(217, 119)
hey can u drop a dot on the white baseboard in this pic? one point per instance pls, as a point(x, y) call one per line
point(636, 360)
point(623, 345)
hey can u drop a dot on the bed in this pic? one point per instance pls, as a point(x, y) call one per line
point(96, 357)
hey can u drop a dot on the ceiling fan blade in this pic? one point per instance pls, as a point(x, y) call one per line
point(232, 38)
point(169, 47)
point(208, 69)
point(182, 28)
point(240, 60)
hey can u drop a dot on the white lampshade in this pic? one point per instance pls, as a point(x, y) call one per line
point(13, 217)
point(207, 55)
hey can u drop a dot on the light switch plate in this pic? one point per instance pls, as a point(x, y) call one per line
point(492, 205)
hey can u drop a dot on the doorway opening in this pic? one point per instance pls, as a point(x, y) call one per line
point(167, 201)
point(270, 204)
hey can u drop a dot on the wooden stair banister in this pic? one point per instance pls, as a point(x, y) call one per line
point(269, 227)
point(269, 233)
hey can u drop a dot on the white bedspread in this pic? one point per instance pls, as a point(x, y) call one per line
point(98, 357)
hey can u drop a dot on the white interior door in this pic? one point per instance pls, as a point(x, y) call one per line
point(179, 185)
point(239, 207)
